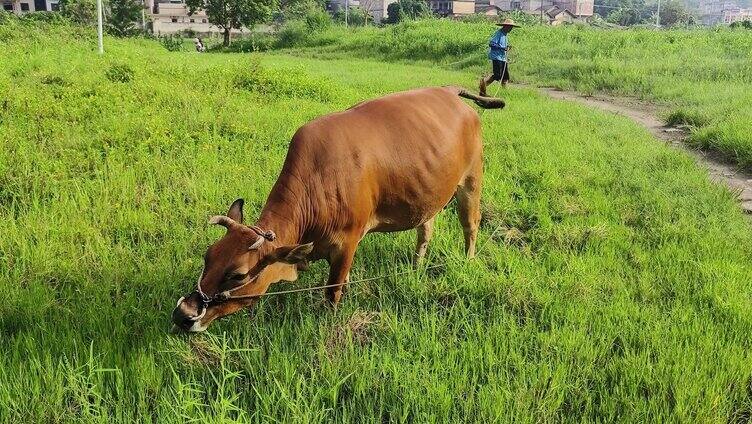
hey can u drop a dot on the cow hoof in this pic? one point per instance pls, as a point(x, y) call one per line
point(333, 297)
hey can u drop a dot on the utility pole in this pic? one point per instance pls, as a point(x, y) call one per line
point(541, 14)
point(347, 7)
point(658, 15)
point(99, 27)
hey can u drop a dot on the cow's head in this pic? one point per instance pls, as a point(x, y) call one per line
point(237, 267)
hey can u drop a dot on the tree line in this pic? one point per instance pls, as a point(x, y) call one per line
point(636, 12)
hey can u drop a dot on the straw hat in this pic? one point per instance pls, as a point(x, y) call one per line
point(508, 22)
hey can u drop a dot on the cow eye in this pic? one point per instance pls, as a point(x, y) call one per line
point(237, 277)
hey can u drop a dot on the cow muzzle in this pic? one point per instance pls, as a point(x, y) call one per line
point(188, 314)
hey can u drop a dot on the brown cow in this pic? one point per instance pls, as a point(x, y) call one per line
point(389, 164)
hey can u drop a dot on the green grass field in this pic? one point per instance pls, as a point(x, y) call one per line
point(619, 289)
point(700, 77)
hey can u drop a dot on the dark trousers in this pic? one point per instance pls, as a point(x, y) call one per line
point(500, 70)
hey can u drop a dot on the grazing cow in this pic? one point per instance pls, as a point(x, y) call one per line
point(389, 164)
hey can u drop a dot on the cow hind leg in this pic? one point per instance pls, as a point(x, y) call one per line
point(468, 205)
point(425, 231)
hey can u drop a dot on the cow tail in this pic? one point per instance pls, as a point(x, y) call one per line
point(482, 101)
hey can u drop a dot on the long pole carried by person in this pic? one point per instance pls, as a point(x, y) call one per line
point(99, 27)
point(504, 68)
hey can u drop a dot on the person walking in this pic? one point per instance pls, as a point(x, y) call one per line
point(499, 46)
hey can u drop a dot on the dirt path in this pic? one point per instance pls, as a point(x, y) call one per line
point(646, 115)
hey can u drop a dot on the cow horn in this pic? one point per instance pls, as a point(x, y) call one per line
point(257, 243)
point(182, 298)
point(222, 220)
point(269, 235)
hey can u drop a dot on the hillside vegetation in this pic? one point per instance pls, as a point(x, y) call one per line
point(703, 77)
point(618, 288)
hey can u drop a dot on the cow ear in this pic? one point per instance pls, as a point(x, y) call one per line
point(236, 211)
point(293, 254)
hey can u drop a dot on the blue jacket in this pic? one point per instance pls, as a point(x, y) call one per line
point(498, 44)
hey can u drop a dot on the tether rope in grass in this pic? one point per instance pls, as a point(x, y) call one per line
point(378, 277)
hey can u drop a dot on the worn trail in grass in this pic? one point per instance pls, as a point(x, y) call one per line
point(719, 168)
point(619, 290)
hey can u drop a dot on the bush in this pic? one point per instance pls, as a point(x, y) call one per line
point(318, 20)
point(46, 17)
point(173, 43)
point(82, 12)
point(295, 10)
point(5, 16)
point(403, 10)
point(519, 17)
point(477, 18)
point(285, 83)
point(119, 72)
point(741, 24)
point(293, 33)
point(54, 80)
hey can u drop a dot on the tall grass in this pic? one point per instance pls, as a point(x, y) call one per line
point(619, 289)
point(703, 77)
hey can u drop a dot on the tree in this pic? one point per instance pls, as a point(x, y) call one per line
point(742, 24)
point(290, 10)
point(604, 8)
point(79, 11)
point(630, 12)
point(124, 15)
point(233, 14)
point(675, 13)
point(318, 20)
point(406, 9)
point(364, 11)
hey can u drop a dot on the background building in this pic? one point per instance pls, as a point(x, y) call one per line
point(549, 10)
point(23, 6)
point(736, 14)
point(713, 12)
point(452, 8)
point(170, 17)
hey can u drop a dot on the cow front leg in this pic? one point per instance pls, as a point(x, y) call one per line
point(339, 273)
point(425, 231)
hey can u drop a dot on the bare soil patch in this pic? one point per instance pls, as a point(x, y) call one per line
point(357, 329)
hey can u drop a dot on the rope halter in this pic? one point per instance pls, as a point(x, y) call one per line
point(223, 296)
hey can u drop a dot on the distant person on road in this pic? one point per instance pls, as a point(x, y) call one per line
point(499, 46)
point(199, 45)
